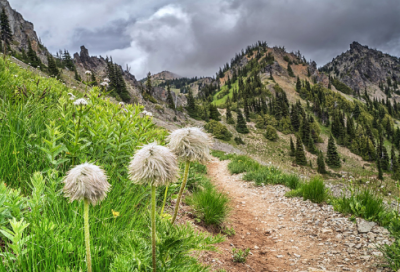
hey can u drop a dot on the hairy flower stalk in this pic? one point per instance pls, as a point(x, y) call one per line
point(189, 144)
point(86, 182)
point(153, 165)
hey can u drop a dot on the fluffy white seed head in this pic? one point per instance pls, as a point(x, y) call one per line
point(153, 164)
point(190, 144)
point(86, 181)
point(80, 101)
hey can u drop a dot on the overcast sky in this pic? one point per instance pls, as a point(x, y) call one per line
point(197, 37)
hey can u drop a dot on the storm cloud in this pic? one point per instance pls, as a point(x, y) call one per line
point(197, 37)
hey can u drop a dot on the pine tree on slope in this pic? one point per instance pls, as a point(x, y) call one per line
point(241, 125)
point(333, 159)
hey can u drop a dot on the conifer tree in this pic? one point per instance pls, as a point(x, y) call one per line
point(305, 131)
point(292, 148)
point(380, 173)
point(300, 155)
point(77, 76)
point(298, 85)
point(321, 163)
point(191, 105)
point(170, 100)
point(311, 146)
point(333, 159)
point(229, 118)
point(93, 81)
point(241, 125)
point(34, 60)
point(290, 71)
point(6, 34)
point(52, 67)
point(214, 113)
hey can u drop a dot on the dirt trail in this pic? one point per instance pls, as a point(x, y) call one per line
point(288, 234)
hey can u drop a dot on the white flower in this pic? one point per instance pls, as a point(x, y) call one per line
point(86, 181)
point(88, 72)
point(71, 96)
point(153, 164)
point(15, 75)
point(122, 104)
point(80, 101)
point(106, 79)
point(104, 84)
point(147, 113)
point(190, 144)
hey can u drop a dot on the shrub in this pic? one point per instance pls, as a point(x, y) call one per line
point(210, 205)
point(271, 134)
point(240, 256)
point(364, 204)
point(292, 181)
point(239, 141)
point(314, 190)
point(218, 130)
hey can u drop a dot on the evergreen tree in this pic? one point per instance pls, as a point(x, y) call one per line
point(321, 163)
point(93, 81)
point(298, 85)
point(68, 61)
point(333, 159)
point(52, 67)
point(292, 148)
point(214, 113)
point(170, 100)
point(311, 146)
point(6, 34)
point(300, 155)
point(229, 118)
point(290, 71)
point(380, 173)
point(117, 84)
point(305, 131)
point(34, 60)
point(191, 105)
point(77, 76)
point(241, 125)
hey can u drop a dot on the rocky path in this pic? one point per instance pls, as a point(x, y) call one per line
point(289, 234)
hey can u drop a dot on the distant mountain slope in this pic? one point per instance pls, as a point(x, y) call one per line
point(23, 33)
point(363, 68)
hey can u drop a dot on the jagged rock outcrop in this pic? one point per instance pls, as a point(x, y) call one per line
point(363, 68)
point(23, 32)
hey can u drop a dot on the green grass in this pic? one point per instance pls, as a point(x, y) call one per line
point(210, 205)
point(315, 190)
point(224, 88)
point(40, 133)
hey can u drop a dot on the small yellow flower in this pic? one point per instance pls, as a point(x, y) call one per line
point(115, 214)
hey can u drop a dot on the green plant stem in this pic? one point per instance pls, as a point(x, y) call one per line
point(87, 235)
point(76, 136)
point(153, 225)
point(187, 165)
point(165, 199)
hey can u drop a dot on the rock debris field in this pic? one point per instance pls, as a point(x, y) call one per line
point(289, 234)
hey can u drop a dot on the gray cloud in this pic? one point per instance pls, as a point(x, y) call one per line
point(195, 38)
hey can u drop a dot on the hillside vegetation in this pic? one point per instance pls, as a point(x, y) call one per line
point(43, 133)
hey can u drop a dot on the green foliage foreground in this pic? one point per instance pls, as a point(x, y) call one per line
point(42, 132)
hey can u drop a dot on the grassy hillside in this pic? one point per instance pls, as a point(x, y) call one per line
point(42, 134)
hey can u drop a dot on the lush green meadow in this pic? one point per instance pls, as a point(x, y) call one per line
point(42, 134)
